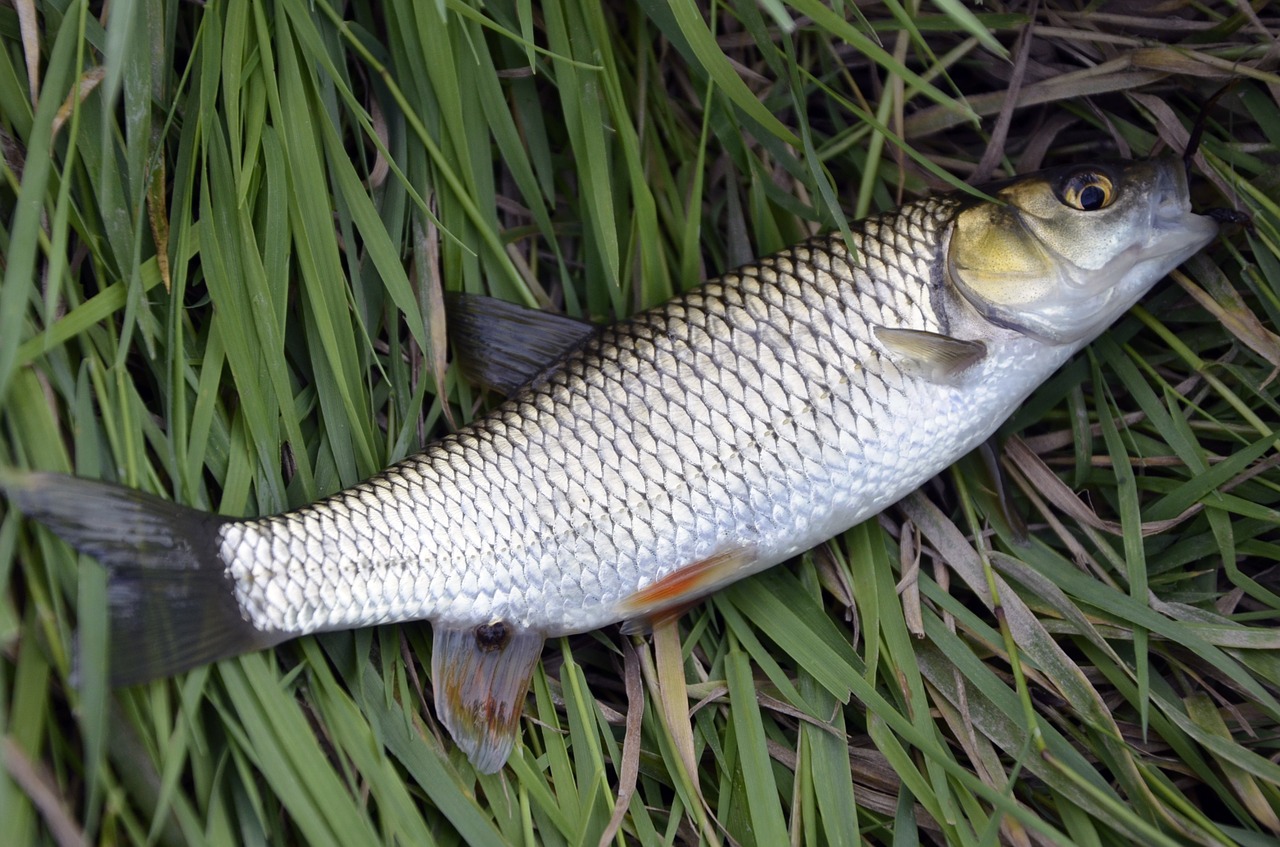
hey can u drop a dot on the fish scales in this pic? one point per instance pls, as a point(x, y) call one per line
point(726, 416)
point(696, 443)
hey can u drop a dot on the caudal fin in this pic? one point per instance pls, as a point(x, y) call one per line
point(172, 604)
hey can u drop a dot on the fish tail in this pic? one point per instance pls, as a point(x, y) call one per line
point(172, 603)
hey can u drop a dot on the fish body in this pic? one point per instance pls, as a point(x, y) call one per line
point(687, 447)
point(749, 420)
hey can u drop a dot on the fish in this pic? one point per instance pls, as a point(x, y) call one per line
point(656, 460)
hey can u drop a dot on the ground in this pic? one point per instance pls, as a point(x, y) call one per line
point(227, 228)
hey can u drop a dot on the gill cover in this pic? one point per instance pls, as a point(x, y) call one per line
point(1067, 250)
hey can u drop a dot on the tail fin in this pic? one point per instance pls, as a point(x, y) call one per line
point(172, 603)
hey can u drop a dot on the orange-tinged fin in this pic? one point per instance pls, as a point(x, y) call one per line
point(674, 593)
point(481, 676)
point(646, 624)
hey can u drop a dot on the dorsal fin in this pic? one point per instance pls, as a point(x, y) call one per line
point(503, 345)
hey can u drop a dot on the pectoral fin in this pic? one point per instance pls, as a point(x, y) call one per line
point(481, 676)
point(671, 595)
point(935, 357)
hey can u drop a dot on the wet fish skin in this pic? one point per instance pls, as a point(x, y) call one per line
point(685, 448)
point(733, 416)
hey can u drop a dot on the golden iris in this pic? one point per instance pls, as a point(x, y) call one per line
point(1087, 191)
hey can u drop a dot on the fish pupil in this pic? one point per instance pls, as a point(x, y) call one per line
point(1092, 198)
point(492, 636)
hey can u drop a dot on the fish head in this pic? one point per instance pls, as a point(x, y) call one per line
point(1066, 251)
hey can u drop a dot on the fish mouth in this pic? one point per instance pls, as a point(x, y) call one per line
point(1171, 210)
point(1172, 200)
point(1166, 228)
point(1054, 270)
point(1173, 228)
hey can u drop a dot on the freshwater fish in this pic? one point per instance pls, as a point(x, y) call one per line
point(659, 459)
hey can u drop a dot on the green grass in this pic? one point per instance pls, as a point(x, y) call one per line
point(225, 233)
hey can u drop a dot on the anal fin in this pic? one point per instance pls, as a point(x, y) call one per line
point(673, 594)
point(935, 357)
point(481, 676)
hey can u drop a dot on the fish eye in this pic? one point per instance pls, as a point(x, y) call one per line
point(1087, 191)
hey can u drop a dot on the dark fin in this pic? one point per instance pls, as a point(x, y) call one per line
point(671, 595)
point(172, 604)
point(481, 676)
point(504, 346)
point(989, 450)
point(938, 358)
